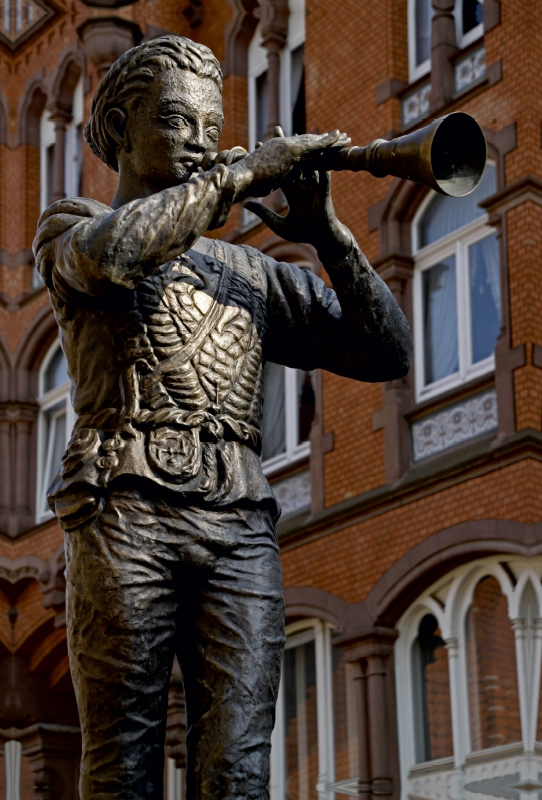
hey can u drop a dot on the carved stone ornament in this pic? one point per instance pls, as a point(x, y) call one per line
point(20, 20)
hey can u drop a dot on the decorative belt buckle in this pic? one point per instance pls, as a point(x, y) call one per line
point(175, 453)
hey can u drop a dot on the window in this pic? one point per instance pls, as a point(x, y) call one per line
point(468, 677)
point(457, 303)
point(74, 151)
point(56, 419)
point(292, 79)
point(314, 739)
point(288, 412)
point(469, 27)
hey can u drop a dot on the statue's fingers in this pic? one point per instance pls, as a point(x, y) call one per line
point(278, 132)
point(271, 219)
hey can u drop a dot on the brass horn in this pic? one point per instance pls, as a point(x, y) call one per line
point(448, 155)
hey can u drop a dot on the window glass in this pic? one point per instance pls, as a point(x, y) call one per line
point(301, 730)
point(306, 404)
point(298, 89)
point(491, 669)
point(431, 693)
point(262, 106)
point(424, 14)
point(446, 214)
point(56, 372)
point(485, 294)
point(274, 412)
point(473, 14)
point(54, 432)
point(49, 172)
point(344, 717)
point(441, 356)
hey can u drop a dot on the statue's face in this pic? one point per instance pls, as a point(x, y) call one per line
point(178, 119)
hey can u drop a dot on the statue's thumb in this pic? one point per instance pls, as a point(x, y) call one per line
point(273, 220)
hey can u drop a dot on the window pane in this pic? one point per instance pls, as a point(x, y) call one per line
point(446, 214)
point(344, 717)
point(485, 296)
point(262, 106)
point(473, 14)
point(298, 89)
point(301, 732)
point(49, 172)
point(56, 373)
point(54, 445)
point(424, 14)
point(306, 404)
point(274, 422)
point(491, 669)
point(431, 693)
point(440, 320)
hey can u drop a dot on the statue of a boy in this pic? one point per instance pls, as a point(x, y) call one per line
point(168, 520)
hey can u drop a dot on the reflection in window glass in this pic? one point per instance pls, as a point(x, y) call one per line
point(53, 446)
point(441, 356)
point(485, 294)
point(301, 732)
point(344, 718)
point(424, 13)
point(274, 412)
point(262, 106)
point(306, 404)
point(491, 669)
point(298, 89)
point(56, 373)
point(446, 214)
point(473, 14)
point(431, 693)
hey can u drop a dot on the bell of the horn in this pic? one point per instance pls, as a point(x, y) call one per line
point(448, 155)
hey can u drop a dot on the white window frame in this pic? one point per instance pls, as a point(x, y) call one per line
point(48, 400)
point(293, 451)
point(415, 71)
point(299, 633)
point(47, 139)
point(456, 243)
point(471, 36)
point(449, 600)
point(418, 71)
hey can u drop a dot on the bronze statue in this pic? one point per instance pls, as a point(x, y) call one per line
point(168, 520)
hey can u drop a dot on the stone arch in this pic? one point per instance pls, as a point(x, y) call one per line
point(307, 601)
point(31, 108)
point(280, 250)
point(31, 352)
point(425, 563)
point(238, 35)
point(67, 75)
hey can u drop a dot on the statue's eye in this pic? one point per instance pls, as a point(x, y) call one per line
point(176, 121)
point(213, 133)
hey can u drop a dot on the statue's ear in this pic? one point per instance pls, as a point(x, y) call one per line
point(115, 123)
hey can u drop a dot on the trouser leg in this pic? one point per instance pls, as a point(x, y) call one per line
point(121, 612)
point(230, 650)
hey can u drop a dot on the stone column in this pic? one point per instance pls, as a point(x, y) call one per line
point(443, 48)
point(274, 35)
point(54, 752)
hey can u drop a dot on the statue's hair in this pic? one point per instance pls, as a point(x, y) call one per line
point(129, 77)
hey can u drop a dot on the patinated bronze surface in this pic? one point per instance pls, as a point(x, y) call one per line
point(169, 522)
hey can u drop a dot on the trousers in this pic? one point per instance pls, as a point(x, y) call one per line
point(146, 580)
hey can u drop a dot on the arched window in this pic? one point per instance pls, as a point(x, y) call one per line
point(468, 664)
point(56, 419)
point(73, 150)
point(457, 301)
point(314, 739)
point(292, 79)
point(469, 27)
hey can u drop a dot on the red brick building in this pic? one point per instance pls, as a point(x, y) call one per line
point(411, 533)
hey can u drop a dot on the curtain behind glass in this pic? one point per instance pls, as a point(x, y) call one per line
point(56, 373)
point(298, 89)
point(491, 669)
point(54, 445)
point(431, 693)
point(473, 14)
point(446, 214)
point(262, 106)
point(439, 292)
point(424, 14)
point(485, 296)
point(306, 404)
point(301, 727)
point(274, 421)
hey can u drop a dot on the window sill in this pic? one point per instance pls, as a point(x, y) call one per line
point(285, 465)
point(438, 765)
point(452, 395)
point(494, 753)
